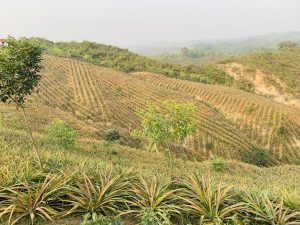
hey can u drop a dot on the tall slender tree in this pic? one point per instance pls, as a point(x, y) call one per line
point(20, 64)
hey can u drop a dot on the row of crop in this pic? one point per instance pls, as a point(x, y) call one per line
point(82, 73)
point(244, 110)
point(193, 200)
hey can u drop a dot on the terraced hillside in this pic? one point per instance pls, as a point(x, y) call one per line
point(265, 123)
point(93, 99)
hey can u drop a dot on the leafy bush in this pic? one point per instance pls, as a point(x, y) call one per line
point(60, 134)
point(245, 85)
point(249, 108)
point(281, 130)
point(95, 219)
point(209, 146)
point(257, 156)
point(171, 122)
point(154, 218)
point(111, 135)
point(296, 162)
point(218, 163)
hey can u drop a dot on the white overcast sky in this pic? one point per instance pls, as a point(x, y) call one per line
point(127, 22)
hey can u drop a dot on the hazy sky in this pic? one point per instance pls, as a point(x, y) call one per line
point(126, 22)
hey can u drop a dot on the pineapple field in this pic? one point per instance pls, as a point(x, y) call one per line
point(231, 122)
point(262, 121)
point(102, 98)
point(242, 158)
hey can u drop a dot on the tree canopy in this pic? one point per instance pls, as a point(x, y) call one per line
point(19, 70)
point(170, 122)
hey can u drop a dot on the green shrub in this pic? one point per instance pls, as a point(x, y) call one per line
point(95, 219)
point(245, 85)
point(296, 162)
point(111, 135)
point(209, 146)
point(257, 156)
point(249, 109)
point(60, 134)
point(281, 130)
point(155, 218)
point(218, 163)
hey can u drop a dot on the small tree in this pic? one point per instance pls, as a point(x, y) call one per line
point(20, 64)
point(61, 134)
point(172, 122)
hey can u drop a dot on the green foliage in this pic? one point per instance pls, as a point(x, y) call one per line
point(296, 162)
point(10, 120)
point(124, 60)
point(218, 164)
point(249, 108)
point(257, 156)
point(170, 122)
point(245, 85)
point(283, 64)
point(95, 219)
point(20, 64)
point(281, 130)
point(111, 135)
point(209, 146)
point(154, 218)
point(59, 133)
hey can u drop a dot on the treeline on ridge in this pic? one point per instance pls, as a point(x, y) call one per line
point(124, 60)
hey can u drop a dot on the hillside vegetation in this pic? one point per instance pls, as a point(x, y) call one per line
point(264, 122)
point(79, 110)
point(126, 61)
point(104, 98)
point(230, 122)
point(282, 64)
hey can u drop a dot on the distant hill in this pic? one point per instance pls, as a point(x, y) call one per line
point(207, 48)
